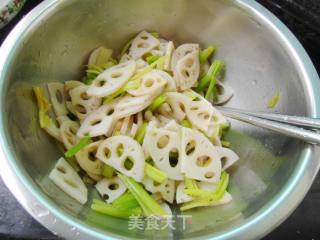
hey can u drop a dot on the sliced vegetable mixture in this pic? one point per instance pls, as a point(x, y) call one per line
point(143, 129)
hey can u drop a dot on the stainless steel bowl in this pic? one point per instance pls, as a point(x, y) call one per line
point(262, 57)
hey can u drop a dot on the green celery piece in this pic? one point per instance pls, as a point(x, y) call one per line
point(198, 193)
point(154, 173)
point(226, 144)
point(147, 203)
point(212, 90)
point(114, 61)
point(116, 133)
point(213, 72)
point(126, 48)
point(272, 103)
point(141, 132)
point(157, 102)
point(225, 126)
point(186, 123)
point(107, 171)
point(132, 84)
point(152, 58)
point(93, 72)
point(96, 68)
point(103, 56)
point(155, 34)
point(222, 186)
point(190, 183)
point(205, 54)
point(206, 198)
point(111, 210)
point(194, 204)
point(76, 148)
point(158, 64)
point(126, 201)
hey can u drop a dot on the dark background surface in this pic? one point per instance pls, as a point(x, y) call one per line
point(303, 18)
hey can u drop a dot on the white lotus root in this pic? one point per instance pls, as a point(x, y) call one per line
point(124, 154)
point(68, 86)
point(181, 197)
point(129, 125)
point(176, 107)
point(111, 189)
point(200, 159)
point(53, 131)
point(68, 130)
point(150, 117)
point(161, 49)
point(98, 122)
point(172, 125)
point(152, 83)
point(112, 79)
point(228, 157)
point(94, 58)
point(163, 121)
point(166, 188)
point(87, 160)
point(171, 84)
point(143, 43)
point(95, 177)
point(181, 52)
point(165, 49)
point(58, 98)
point(225, 93)
point(140, 63)
point(160, 144)
point(130, 105)
point(83, 103)
point(187, 70)
point(66, 178)
point(169, 52)
point(199, 112)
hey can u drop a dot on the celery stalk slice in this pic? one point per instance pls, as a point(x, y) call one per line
point(107, 171)
point(151, 59)
point(205, 54)
point(190, 183)
point(155, 34)
point(147, 203)
point(132, 84)
point(141, 132)
point(126, 201)
point(158, 64)
point(213, 72)
point(126, 48)
point(154, 173)
point(205, 198)
point(157, 102)
point(272, 103)
point(211, 91)
point(226, 144)
point(76, 148)
point(111, 210)
point(186, 123)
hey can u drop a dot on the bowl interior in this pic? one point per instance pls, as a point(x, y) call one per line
point(258, 64)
